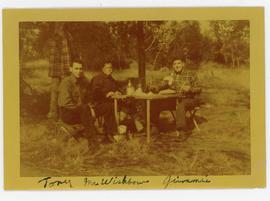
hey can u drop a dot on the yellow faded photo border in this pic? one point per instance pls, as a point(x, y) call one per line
point(11, 19)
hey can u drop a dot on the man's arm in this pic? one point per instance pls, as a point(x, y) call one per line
point(195, 80)
point(85, 91)
point(163, 85)
point(65, 96)
point(120, 85)
point(97, 93)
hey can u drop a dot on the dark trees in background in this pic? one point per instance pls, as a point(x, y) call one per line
point(187, 43)
point(93, 42)
point(231, 41)
point(155, 43)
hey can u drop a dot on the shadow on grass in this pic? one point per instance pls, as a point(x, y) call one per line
point(34, 105)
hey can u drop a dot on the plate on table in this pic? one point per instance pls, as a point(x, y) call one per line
point(167, 92)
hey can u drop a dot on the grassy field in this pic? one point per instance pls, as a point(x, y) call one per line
point(221, 148)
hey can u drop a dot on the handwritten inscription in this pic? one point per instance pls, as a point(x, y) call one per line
point(177, 180)
point(49, 182)
point(114, 181)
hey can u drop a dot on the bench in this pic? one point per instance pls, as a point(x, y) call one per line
point(76, 130)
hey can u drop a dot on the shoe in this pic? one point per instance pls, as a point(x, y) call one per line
point(182, 134)
point(93, 145)
point(129, 136)
point(154, 130)
point(52, 115)
point(108, 139)
point(111, 138)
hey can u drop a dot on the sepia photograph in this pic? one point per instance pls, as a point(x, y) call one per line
point(134, 98)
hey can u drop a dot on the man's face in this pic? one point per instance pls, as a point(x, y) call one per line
point(76, 70)
point(178, 65)
point(107, 69)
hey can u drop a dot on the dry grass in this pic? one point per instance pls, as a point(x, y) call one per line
point(221, 148)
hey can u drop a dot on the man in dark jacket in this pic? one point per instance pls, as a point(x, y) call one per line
point(103, 87)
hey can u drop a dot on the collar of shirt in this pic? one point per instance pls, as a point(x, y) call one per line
point(106, 76)
point(179, 73)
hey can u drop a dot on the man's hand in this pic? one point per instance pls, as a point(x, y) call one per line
point(109, 94)
point(186, 88)
point(168, 79)
point(92, 110)
point(117, 93)
point(153, 89)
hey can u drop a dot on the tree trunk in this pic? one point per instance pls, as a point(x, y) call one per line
point(119, 60)
point(237, 62)
point(225, 59)
point(119, 54)
point(233, 60)
point(156, 57)
point(141, 52)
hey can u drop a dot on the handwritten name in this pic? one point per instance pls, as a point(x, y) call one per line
point(177, 180)
point(49, 182)
point(114, 181)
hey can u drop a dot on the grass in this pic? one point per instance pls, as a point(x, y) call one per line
point(221, 148)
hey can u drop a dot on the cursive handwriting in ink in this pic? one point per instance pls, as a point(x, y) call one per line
point(88, 182)
point(48, 182)
point(114, 181)
point(176, 180)
point(123, 180)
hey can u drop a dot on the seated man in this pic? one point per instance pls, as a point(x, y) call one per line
point(181, 82)
point(103, 87)
point(73, 108)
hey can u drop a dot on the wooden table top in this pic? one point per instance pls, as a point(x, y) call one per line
point(148, 96)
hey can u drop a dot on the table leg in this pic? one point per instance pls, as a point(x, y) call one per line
point(116, 112)
point(148, 120)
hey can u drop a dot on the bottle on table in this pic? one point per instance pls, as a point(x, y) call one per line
point(130, 88)
point(139, 90)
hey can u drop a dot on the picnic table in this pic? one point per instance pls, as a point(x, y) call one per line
point(148, 98)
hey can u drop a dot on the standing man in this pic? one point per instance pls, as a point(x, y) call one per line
point(73, 106)
point(59, 63)
point(183, 82)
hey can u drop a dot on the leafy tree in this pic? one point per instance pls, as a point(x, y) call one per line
point(95, 42)
point(124, 39)
point(187, 42)
point(28, 36)
point(159, 36)
point(232, 40)
point(33, 37)
point(171, 39)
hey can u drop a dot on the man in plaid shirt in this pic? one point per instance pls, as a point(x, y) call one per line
point(181, 82)
point(59, 63)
